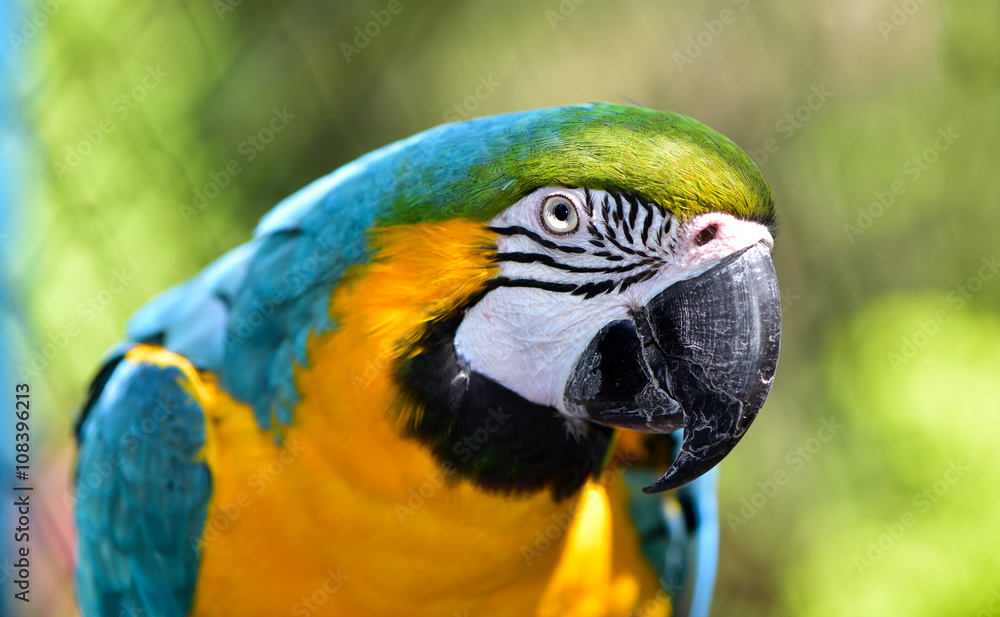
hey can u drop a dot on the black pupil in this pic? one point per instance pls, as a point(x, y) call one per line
point(561, 212)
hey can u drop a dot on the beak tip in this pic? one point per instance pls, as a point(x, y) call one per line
point(685, 468)
point(674, 478)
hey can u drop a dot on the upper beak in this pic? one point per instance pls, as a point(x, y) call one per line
point(700, 356)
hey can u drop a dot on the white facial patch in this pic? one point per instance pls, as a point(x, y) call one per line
point(564, 275)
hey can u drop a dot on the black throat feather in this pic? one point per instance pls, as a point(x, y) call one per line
point(486, 433)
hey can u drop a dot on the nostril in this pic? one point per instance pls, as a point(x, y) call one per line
point(706, 235)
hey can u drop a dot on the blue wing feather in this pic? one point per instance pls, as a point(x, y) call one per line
point(142, 494)
point(679, 532)
point(703, 549)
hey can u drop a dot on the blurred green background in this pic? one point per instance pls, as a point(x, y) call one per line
point(868, 485)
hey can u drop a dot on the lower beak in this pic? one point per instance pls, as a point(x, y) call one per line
point(700, 356)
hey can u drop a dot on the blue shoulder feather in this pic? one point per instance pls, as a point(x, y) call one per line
point(142, 494)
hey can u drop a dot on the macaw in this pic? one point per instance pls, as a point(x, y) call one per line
point(480, 371)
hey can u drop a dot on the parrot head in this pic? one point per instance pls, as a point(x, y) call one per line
point(631, 282)
point(632, 317)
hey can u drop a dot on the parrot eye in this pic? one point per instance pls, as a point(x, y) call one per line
point(559, 215)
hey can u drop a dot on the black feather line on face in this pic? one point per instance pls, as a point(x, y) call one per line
point(548, 260)
point(532, 283)
point(636, 278)
point(589, 201)
point(628, 234)
point(624, 248)
point(646, 223)
point(517, 230)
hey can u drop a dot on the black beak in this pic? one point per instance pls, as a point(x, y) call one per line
point(700, 356)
